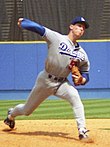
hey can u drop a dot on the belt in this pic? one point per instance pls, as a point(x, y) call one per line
point(57, 79)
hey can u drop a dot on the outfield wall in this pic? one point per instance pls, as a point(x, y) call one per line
point(20, 63)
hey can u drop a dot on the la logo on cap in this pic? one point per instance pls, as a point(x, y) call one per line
point(82, 19)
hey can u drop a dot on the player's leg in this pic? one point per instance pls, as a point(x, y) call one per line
point(38, 94)
point(68, 92)
point(36, 97)
point(34, 100)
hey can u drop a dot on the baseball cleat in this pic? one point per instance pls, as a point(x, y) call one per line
point(7, 121)
point(10, 123)
point(83, 133)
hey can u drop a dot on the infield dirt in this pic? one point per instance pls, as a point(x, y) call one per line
point(54, 133)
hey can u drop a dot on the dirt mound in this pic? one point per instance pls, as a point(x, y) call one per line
point(54, 133)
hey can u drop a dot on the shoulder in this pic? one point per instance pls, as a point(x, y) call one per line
point(81, 54)
point(49, 32)
point(52, 36)
point(81, 50)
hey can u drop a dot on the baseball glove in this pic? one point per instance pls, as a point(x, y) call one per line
point(76, 75)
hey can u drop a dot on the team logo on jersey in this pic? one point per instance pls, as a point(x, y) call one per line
point(65, 50)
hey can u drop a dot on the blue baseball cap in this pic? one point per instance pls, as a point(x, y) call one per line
point(80, 19)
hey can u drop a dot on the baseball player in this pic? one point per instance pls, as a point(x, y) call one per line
point(65, 56)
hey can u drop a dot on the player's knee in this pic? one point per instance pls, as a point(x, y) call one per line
point(27, 113)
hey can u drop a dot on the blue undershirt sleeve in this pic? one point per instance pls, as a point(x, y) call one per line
point(32, 26)
point(86, 76)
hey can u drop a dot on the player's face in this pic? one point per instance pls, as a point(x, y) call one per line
point(77, 30)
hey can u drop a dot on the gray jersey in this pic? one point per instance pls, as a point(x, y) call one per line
point(60, 52)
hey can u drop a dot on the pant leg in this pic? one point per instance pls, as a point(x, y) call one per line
point(68, 92)
point(38, 94)
point(36, 97)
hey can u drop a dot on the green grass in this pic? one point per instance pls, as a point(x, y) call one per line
point(60, 109)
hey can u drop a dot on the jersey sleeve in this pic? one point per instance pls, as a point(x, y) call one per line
point(85, 67)
point(84, 63)
point(50, 36)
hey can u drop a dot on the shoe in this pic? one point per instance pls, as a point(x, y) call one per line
point(83, 133)
point(7, 121)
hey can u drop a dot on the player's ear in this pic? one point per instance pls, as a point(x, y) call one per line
point(71, 26)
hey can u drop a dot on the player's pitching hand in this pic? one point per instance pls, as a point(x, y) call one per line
point(19, 22)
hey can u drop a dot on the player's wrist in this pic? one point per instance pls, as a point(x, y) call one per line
point(83, 81)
